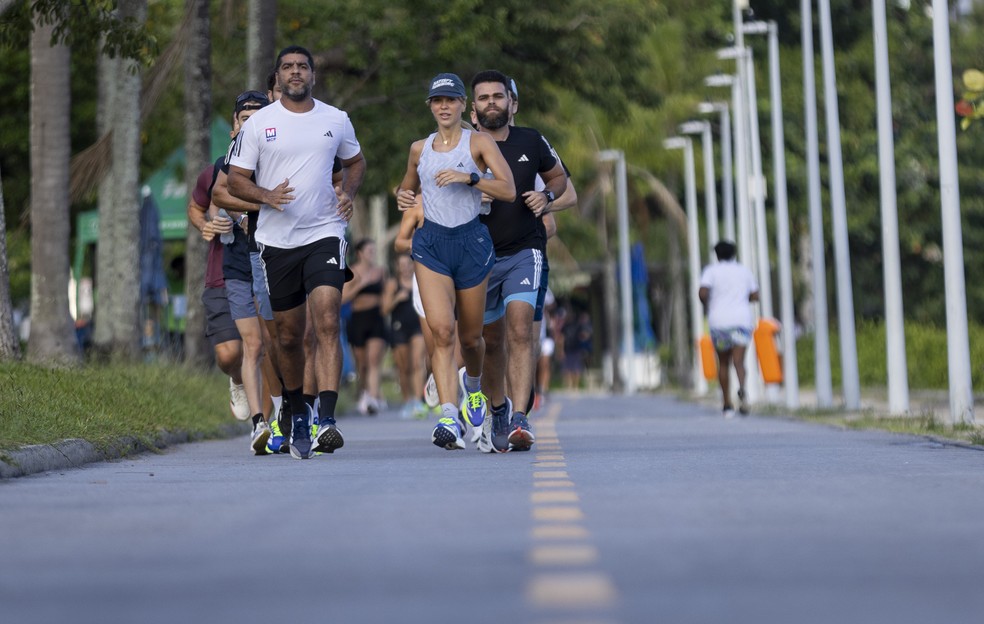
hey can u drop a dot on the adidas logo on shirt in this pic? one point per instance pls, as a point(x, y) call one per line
point(525, 282)
point(332, 261)
point(461, 165)
point(329, 134)
point(523, 158)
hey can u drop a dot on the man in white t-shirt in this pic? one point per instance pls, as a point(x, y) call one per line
point(727, 289)
point(290, 149)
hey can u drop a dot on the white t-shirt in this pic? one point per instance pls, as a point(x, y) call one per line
point(277, 144)
point(730, 284)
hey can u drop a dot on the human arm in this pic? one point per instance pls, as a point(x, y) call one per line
point(223, 199)
point(555, 181)
point(242, 187)
point(501, 186)
point(390, 296)
point(409, 222)
point(351, 288)
point(549, 225)
point(406, 194)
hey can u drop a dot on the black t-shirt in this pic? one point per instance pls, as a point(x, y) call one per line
point(513, 225)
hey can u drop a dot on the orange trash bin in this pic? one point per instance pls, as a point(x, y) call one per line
point(708, 357)
point(770, 362)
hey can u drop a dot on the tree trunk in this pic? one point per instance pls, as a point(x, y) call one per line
point(118, 258)
point(198, 117)
point(260, 37)
point(52, 340)
point(9, 342)
point(678, 298)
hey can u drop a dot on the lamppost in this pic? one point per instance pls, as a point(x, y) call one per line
point(703, 128)
point(821, 340)
point(790, 369)
point(693, 248)
point(625, 277)
point(727, 182)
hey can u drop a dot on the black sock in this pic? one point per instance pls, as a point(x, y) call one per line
point(326, 408)
point(256, 419)
point(498, 408)
point(296, 400)
point(529, 404)
point(309, 399)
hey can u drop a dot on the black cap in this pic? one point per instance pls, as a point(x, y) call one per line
point(447, 85)
point(250, 100)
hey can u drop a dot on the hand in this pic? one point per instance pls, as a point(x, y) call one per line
point(536, 201)
point(279, 196)
point(207, 233)
point(345, 206)
point(220, 225)
point(445, 177)
point(405, 199)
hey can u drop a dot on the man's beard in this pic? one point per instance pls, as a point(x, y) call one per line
point(493, 123)
point(296, 96)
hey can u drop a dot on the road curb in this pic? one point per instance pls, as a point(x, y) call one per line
point(75, 452)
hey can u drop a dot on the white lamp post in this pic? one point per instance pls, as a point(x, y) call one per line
point(625, 277)
point(790, 368)
point(693, 248)
point(703, 128)
point(727, 181)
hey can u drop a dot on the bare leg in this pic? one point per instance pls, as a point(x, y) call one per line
point(249, 329)
point(724, 376)
point(438, 296)
point(519, 358)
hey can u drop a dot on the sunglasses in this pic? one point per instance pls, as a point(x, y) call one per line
point(246, 96)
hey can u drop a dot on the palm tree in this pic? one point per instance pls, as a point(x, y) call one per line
point(9, 344)
point(52, 339)
point(260, 37)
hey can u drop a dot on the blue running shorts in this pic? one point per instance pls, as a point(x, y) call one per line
point(726, 338)
point(463, 253)
point(514, 278)
point(260, 287)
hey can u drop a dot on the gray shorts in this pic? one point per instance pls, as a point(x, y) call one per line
point(260, 291)
point(240, 294)
point(219, 326)
point(726, 338)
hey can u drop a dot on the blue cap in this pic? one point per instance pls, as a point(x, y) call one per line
point(447, 85)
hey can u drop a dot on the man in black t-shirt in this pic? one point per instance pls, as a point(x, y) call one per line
point(519, 238)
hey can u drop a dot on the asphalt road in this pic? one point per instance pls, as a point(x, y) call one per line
point(628, 510)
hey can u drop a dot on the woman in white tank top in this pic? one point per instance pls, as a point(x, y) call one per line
point(445, 168)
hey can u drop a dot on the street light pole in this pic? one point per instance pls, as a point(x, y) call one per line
point(821, 331)
point(957, 339)
point(790, 367)
point(625, 270)
point(693, 245)
point(703, 128)
point(898, 380)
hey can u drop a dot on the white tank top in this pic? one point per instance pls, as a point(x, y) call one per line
point(455, 204)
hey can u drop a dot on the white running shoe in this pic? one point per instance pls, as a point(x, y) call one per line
point(430, 392)
point(237, 401)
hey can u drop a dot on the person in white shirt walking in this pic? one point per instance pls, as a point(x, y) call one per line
point(727, 290)
point(291, 146)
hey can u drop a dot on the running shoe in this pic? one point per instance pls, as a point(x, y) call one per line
point(430, 392)
point(277, 438)
point(300, 435)
point(729, 412)
point(473, 408)
point(284, 423)
point(328, 438)
point(462, 393)
point(259, 437)
point(521, 436)
point(494, 437)
point(742, 403)
point(237, 401)
point(447, 434)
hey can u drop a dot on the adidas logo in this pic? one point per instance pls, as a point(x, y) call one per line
point(523, 158)
point(525, 282)
point(332, 261)
point(329, 134)
point(461, 165)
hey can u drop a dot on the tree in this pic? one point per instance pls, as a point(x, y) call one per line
point(9, 343)
point(52, 339)
point(117, 329)
point(260, 37)
point(198, 119)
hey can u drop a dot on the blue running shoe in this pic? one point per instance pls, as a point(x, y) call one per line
point(328, 437)
point(447, 434)
point(276, 437)
point(474, 407)
point(284, 423)
point(521, 436)
point(300, 435)
point(495, 430)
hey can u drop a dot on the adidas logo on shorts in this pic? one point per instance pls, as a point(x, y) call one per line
point(525, 282)
point(332, 261)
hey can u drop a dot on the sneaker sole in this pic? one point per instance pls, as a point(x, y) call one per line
point(446, 439)
point(328, 440)
point(260, 442)
point(297, 453)
point(521, 440)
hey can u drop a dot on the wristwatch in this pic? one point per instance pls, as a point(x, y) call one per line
point(549, 194)
point(474, 179)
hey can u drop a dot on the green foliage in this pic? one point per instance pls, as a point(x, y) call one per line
point(925, 351)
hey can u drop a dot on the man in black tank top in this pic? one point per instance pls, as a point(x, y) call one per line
point(518, 238)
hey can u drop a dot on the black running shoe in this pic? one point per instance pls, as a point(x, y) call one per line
point(329, 438)
point(285, 424)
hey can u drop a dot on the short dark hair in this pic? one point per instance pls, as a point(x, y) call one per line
point(294, 49)
point(361, 244)
point(491, 75)
point(725, 250)
point(272, 79)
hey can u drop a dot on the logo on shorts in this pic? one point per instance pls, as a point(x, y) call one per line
point(332, 261)
point(271, 134)
point(525, 282)
point(523, 158)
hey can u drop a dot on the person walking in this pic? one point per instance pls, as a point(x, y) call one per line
point(727, 289)
point(366, 330)
point(452, 250)
point(290, 146)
